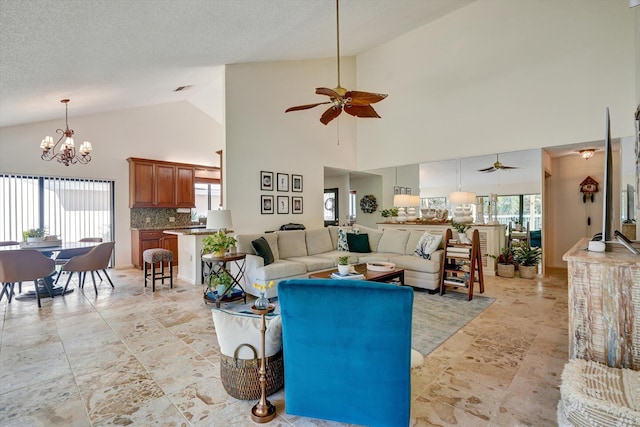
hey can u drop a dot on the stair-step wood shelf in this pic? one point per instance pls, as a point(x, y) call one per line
point(456, 256)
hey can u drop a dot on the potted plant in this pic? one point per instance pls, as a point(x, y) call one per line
point(221, 284)
point(34, 234)
point(506, 267)
point(218, 243)
point(462, 231)
point(386, 213)
point(528, 258)
point(343, 265)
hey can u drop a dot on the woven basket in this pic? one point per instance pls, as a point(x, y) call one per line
point(240, 377)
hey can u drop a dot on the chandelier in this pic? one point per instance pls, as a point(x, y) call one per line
point(65, 151)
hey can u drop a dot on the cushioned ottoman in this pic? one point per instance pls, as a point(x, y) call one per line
point(593, 394)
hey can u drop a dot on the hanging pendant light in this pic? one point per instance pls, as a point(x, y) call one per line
point(64, 150)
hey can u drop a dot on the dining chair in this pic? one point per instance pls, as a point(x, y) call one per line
point(64, 256)
point(94, 260)
point(22, 266)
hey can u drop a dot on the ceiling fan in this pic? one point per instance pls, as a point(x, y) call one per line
point(497, 166)
point(353, 102)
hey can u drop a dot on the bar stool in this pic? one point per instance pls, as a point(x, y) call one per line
point(153, 256)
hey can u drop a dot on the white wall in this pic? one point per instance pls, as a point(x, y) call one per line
point(500, 76)
point(260, 136)
point(176, 132)
point(365, 186)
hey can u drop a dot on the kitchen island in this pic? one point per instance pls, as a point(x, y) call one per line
point(189, 250)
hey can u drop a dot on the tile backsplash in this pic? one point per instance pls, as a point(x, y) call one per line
point(159, 218)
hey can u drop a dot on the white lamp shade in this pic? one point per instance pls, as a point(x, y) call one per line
point(219, 220)
point(462, 197)
point(401, 200)
point(414, 201)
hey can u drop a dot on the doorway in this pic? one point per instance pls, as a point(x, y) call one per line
point(330, 206)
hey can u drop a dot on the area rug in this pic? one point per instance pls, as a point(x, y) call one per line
point(435, 317)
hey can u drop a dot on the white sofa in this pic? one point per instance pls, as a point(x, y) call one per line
point(300, 252)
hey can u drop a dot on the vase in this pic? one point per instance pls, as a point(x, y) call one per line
point(220, 290)
point(528, 271)
point(262, 303)
point(344, 269)
point(219, 254)
point(506, 270)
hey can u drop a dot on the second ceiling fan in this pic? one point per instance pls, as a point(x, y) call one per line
point(353, 102)
point(497, 166)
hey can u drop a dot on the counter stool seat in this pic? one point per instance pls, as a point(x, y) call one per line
point(154, 256)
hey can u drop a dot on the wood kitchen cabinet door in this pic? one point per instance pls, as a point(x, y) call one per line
point(171, 242)
point(185, 187)
point(165, 184)
point(141, 184)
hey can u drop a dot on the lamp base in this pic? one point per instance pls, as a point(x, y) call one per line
point(263, 414)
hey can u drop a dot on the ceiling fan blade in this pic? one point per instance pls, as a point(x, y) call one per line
point(361, 110)
point(330, 114)
point(364, 98)
point(489, 169)
point(509, 167)
point(305, 107)
point(329, 92)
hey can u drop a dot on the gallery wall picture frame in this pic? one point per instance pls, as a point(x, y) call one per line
point(266, 181)
point(266, 204)
point(283, 204)
point(296, 183)
point(283, 182)
point(403, 190)
point(396, 190)
point(408, 190)
point(296, 204)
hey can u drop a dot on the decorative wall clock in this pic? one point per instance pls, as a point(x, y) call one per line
point(588, 187)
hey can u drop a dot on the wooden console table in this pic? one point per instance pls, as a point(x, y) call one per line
point(604, 305)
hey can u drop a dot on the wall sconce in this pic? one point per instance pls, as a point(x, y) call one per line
point(587, 154)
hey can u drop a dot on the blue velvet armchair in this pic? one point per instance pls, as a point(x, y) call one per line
point(347, 350)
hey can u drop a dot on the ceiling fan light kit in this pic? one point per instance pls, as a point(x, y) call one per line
point(355, 103)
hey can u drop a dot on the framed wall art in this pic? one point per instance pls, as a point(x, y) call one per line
point(266, 181)
point(407, 190)
point(296, 204)
point(296, 183)
point(283, 204)
point(403, 190)
point(396, 190)
point(266, 204)
point(283, 182)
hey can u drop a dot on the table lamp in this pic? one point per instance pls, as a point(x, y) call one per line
point(414, 202)
point(219, 220)
point(400, 201)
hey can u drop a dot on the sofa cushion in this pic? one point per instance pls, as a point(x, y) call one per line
point(358, 243)
point(262, 249)
point(244, 243)
point(410, 262)
point(280, 269)
point(292, 243)
point(427, 244)
point(234, 329)
point(374, 236)
point(333, 232)
point(314, 263)
point(318, 241)
point(333, 256)
point(394, 241)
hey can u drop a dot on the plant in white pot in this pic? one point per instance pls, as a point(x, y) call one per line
point(462, 231)
point(343, 265)
point(34, 234)
point(528, 258)
point(218, 243)
point(505, 265)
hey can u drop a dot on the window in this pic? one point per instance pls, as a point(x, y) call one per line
point(70, 208)
point(207, 199)
point(523, 208)
point(351, 218)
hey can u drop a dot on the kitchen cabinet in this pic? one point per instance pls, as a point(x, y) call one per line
point(141, 240)
point(158, 184)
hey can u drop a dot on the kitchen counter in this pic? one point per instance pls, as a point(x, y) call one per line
point(186, 227)
point(191, 231)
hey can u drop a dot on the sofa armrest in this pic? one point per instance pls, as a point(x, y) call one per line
point(436, 256)
point(252, 263)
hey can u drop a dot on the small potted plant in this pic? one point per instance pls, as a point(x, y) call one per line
point(528, 258)
point(506, 267)
point(386, 214)
point(218, 243)
point(343, 265)
point(462, 231)
point(221, 284)
point(262, 303)
point(34, 235)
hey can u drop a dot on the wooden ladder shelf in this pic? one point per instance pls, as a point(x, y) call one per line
point(455, 255)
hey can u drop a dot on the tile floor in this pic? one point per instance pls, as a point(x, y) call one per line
point(131, 357)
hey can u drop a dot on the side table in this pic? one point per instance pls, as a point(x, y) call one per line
point(220, 266)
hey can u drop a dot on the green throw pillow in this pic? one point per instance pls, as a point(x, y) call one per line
point(261, 246)
point(358, 243)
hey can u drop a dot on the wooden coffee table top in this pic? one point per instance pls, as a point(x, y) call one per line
point(373, 276)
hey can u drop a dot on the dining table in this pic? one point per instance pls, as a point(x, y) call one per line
point(54, 249)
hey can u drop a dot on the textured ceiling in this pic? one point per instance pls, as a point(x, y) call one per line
point(110, 55)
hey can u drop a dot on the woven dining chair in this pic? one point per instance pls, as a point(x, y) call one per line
point(23, 266)
point(94, 260)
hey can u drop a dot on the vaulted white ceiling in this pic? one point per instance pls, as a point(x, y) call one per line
point(111, 55)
